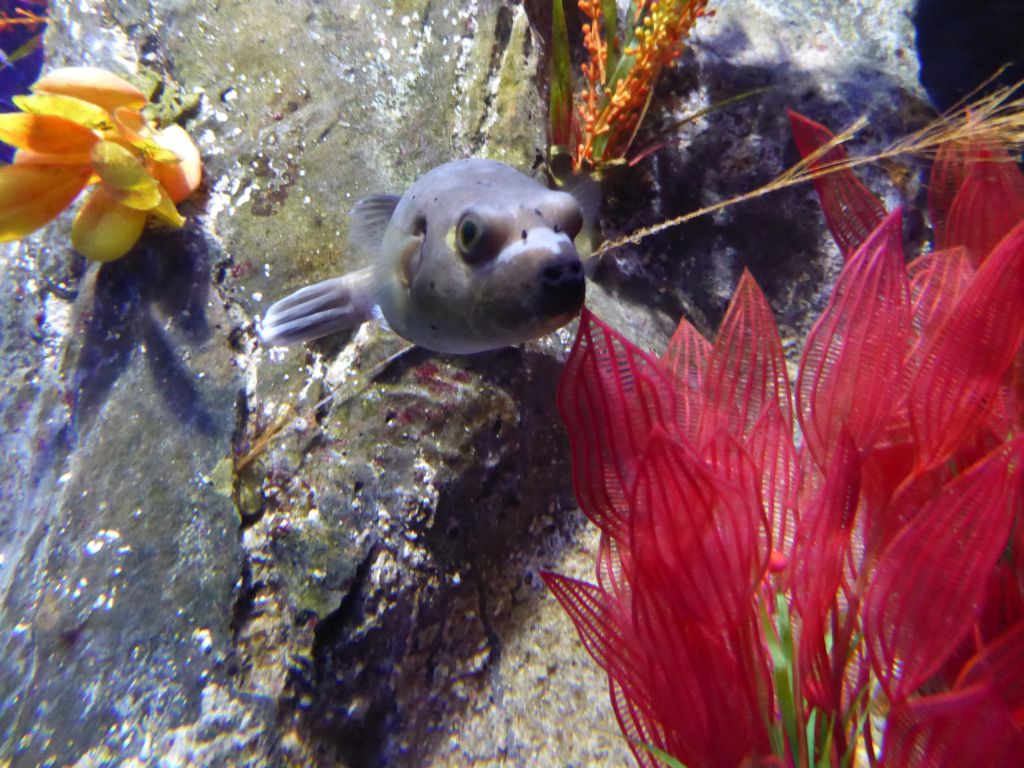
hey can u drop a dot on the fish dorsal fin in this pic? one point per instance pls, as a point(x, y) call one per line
point(588, 194)
point(370, 217)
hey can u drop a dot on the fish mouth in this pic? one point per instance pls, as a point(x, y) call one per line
point(563, 285)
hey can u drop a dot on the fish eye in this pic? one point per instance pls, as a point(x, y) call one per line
point(469, 231)
point(469, 237)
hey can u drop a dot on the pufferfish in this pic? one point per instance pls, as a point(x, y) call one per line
point(474, 256)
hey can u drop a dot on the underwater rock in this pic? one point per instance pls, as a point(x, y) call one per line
point(962, 46)
point(220, 554)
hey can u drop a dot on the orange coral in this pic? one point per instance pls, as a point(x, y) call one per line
point(22, 18)
point(613, 103)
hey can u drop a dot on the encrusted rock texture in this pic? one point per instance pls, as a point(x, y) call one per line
point(215, 554)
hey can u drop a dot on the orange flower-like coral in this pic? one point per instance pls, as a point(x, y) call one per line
point(616, 97)
point(83, 127)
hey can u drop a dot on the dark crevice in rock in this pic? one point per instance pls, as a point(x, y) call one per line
point(502, 35)
point(355, 731)
point(484, 610)
point(245, 600)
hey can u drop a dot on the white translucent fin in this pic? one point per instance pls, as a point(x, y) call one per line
point(370, 217)
point(588, 194)
point(320, 309)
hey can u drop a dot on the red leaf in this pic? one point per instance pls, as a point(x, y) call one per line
point(611, 570)
point(1008, 414)
point(710, 685)
point(851, 210)
point(851, 366)
point(611, 396)
point(822, 544)
point(695, 533)
point(638, 728)
point(606, 632)
point(921, 485)
point(699, 692)
point(730, 462)
point(1004, 602)
point(1001, 665)
point(685, 359)
point(947, 550)
point(777, 464)
point(937, 282)
point(963, 364)
point(1001, 614)
point(746, 368)
point(962, 729)
point(988, 205)
point(952, 163)
point(885, 471)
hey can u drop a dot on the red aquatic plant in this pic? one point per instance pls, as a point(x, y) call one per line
point(766, 600)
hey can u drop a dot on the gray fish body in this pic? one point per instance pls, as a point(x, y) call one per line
point(473, 256)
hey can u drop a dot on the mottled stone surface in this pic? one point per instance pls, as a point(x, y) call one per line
point(212, 554)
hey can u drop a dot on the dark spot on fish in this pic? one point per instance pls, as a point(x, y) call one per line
point(433, 327)
point(557, 227)
point(537, 211)
point(432, 286)
point(524, 234)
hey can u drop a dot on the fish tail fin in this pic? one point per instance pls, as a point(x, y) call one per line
point(321, 309)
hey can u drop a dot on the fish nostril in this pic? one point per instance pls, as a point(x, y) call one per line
point(552, 273)
point(562, 273)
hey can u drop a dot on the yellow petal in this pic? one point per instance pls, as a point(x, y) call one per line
point(180, 179)
point(125, 177)
point(94, 85)
point(104, 229)
point(68, 107)
point(167, 213)
point(31, 196)
point(27, 157)
point(45, 133)
point(155, 153)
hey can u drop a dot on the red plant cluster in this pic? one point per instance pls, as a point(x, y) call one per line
point(762, 599)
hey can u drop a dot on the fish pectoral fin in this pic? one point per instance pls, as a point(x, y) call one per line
point(370, 217)
point(321, 309)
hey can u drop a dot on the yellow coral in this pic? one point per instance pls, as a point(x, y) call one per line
point(82, 127)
